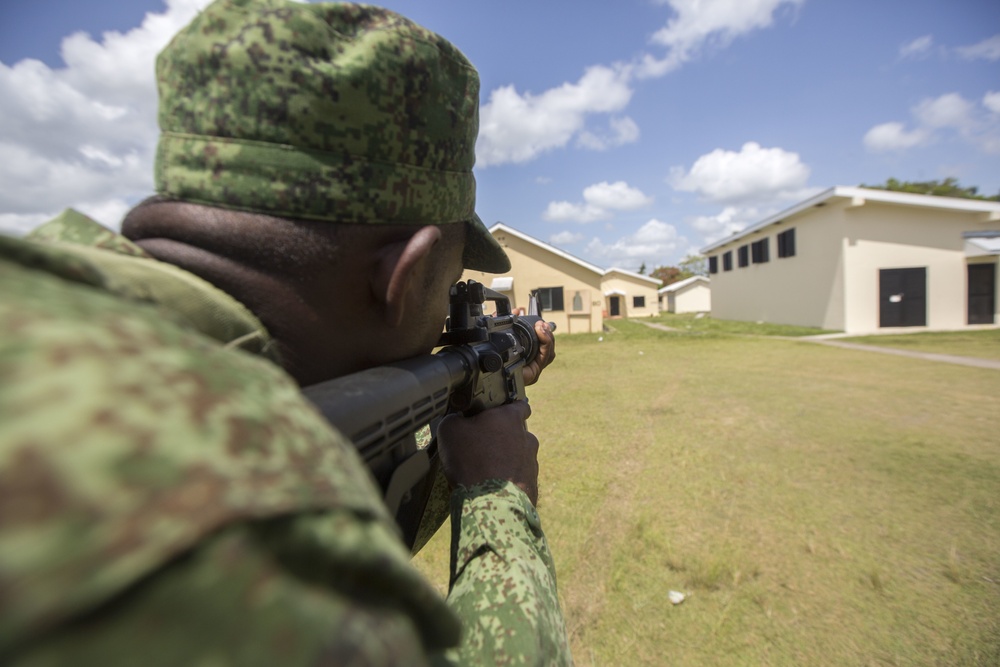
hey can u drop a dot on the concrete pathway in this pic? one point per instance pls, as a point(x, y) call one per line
point(830, 339)
point(975, 362)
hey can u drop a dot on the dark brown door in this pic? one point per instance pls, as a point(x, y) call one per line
point(982, 293)
point(903, 297)
point(615, 309)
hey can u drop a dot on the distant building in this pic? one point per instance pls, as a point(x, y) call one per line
point(628, 294)
point(691, 295)
point(576, 295)
point(861, 260)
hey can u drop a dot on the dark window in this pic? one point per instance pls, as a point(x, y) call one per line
point(903, 297)
point(982, 293)
point(786, 243)
point(743, 255)
point(727, 261)
point(638, 302)
point(550, 298)
point(759, 251)
point(713, 264)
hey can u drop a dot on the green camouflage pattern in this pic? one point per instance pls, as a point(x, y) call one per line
point(71, 226)
point(503, 580)
point(336, 112)
point(165, 494)
point(73, 246)
point(95, 497)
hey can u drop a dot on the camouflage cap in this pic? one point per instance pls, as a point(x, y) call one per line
point(327, 111)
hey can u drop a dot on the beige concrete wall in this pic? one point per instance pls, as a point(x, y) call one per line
point(832, 282)
point(805, 290)
point(694, 298)
point(627, 287)
point(882, 236)
point(533, 267)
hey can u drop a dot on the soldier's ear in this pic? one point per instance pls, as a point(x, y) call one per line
point(395, 280)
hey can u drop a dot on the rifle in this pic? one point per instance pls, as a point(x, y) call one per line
point(381, 408)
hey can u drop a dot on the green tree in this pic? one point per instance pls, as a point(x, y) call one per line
point(692, 265)
point(642, 269)
point(666, 274)
point(949, 187)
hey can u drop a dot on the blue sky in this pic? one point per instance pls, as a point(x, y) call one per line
point(626, 133)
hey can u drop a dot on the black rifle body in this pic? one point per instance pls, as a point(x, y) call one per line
point(379, 409)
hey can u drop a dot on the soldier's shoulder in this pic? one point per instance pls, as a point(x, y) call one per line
point(125, 439)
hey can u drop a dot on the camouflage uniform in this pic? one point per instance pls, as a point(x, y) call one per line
point(166, 495)
point(165, 492)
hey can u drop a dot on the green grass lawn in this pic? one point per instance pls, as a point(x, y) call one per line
point(691, 323)
point(984, 343)
point(819, 506)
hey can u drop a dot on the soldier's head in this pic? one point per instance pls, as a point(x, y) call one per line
point(302, 139)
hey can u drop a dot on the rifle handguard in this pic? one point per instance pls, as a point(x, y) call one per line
point(381, 408)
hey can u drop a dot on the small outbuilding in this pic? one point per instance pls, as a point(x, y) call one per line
point(691, 295)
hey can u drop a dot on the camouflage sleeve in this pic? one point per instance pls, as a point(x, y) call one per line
point(253, 595)
point(503, 580)
point(165, 500)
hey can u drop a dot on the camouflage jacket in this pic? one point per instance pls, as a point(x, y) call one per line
point(167, 496)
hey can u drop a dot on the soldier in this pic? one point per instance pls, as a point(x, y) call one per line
point(166, 494)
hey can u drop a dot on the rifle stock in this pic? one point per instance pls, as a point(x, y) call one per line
point(381, 408)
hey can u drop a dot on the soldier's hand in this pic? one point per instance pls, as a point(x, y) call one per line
point(546, 353)
point(495, 444)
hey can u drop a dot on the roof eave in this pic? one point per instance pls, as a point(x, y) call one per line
point(499, 226)
point(632, 274)
point(858, 197)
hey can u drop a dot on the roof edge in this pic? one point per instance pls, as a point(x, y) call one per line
point(499, 226)
point(632, 274)
point(673, 287)
point(863, 194)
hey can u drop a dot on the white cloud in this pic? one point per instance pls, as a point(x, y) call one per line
point(918, 48)
point(622, 131)
point(937, 118)
point(988, 49)
point(110, 212)
point(698, 23)
point(730, 220)
point(950, 110)
point(84, 134)
point(599, 202)
point(752, 174)
point(562, 211)
point(515, 127)
point(892, 137)
point(519, 126)
point(565, 238)
point(991, 101)
point(652, 244)
point(618, 196)
point(16, 224)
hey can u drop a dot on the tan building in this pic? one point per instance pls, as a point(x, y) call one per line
point(628, 294)
point(691, 295)
point(574, 294)
point(861, 261)
point(569, 288)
